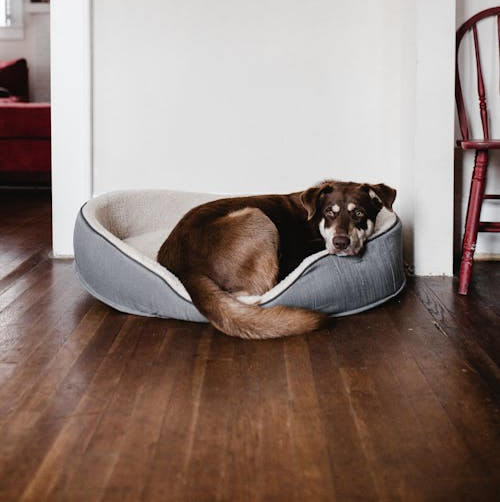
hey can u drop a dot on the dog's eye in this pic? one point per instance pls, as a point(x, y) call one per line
point(330, 212)
point(358, 213)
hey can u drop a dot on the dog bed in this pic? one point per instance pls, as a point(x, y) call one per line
point(117, 236)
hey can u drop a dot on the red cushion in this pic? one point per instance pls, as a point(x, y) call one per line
point(14, 77)
point(24, 120)
point(11, 99)
point(24, 155)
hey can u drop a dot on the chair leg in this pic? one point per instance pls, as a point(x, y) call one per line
point(477, 187)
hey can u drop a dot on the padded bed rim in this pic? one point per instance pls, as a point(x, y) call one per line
point(129, 257)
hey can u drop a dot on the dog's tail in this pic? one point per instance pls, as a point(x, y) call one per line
point(241, 320)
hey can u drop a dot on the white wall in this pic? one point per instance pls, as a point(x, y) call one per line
point(432, 168)
point(273, 96)
point(245, 96)
point(71, 118)
point(487, 244)
point(35, 47)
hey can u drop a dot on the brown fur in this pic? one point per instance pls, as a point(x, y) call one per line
point(244, 246)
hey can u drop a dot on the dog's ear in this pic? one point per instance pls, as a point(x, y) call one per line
point(381, 194)
point(311, 197)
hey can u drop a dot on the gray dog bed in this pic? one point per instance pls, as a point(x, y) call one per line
point(117, 236)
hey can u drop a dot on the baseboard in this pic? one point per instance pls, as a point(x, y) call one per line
point(53, 256)
point(487, 257)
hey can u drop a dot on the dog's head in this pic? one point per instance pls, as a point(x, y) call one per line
point(345, 212)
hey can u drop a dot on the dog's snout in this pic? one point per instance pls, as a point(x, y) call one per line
point(341, 242)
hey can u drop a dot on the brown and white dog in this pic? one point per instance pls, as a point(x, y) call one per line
point(246, 245)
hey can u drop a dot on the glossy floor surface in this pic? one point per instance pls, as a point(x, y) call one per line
point(399, 403)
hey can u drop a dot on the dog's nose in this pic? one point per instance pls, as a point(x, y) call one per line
point(341, 242)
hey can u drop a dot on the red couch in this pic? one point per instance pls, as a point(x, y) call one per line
point(24, 130)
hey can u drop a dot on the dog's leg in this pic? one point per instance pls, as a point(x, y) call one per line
point(244, 252)
point(220, 257)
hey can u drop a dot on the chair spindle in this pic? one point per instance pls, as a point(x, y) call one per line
point(480, 86)
point(498, 31)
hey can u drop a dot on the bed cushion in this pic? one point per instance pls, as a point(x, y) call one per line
point(117, 236)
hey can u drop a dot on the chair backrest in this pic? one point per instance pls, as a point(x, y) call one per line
point(469, 25)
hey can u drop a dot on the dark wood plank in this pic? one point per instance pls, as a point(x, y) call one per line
point(306, 427)
point(185, 367)
point(484, 285)
point(130, 475)
point(275, 456)
point(468, 401)
point(129, 364)
point(344, 443)
point(460, 317)
point(19, 266)
point(55, 477)
point(204, 472)
point(30, 432)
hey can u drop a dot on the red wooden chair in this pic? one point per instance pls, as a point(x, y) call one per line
point(473, 224)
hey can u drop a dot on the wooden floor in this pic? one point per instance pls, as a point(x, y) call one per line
point(399, 403)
